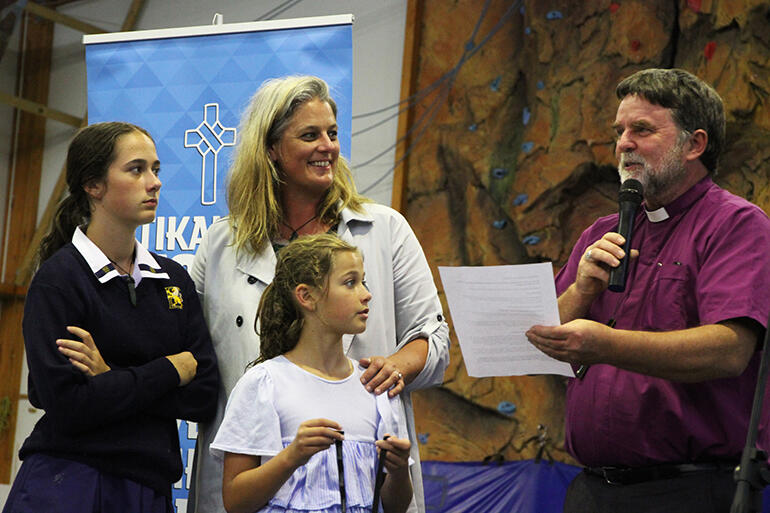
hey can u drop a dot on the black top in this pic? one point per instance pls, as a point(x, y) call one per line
point(122, 422)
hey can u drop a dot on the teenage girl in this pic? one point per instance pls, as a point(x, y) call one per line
point(115, 341)
point(285, 415)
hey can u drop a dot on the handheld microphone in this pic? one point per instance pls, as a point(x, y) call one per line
point(629, 199)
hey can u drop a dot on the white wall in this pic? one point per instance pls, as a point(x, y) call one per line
point(378, 35)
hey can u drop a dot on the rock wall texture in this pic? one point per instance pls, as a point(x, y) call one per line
point(511, 157)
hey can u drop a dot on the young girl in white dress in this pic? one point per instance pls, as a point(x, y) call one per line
point(286, 416)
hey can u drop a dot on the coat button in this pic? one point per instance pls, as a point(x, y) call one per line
point(239, 321)
point(440, 317)
point(252, 280)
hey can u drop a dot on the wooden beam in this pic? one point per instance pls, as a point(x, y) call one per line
point(24, 189)
point(409, 72)
point(39, 109)
point(11, 291)
point(27, 266)
point(26, 269)
point(132, 16)
point(63, 19)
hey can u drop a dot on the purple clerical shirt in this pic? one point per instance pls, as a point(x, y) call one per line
point(709, 261)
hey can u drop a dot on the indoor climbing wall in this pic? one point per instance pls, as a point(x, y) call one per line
point(511, 157)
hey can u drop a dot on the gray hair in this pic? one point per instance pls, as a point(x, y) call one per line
point(693, 103)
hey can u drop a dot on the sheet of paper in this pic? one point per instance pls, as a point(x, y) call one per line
point(492, 307)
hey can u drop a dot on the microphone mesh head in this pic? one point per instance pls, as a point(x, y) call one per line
point(631, 190)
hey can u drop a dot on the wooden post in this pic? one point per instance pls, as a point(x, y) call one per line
point(20, 222)
point(409, 69)
point(26, 266)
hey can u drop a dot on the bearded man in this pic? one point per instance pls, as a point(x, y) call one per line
point(660, 417)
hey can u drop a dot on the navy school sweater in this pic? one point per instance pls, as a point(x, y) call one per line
point(122, 422)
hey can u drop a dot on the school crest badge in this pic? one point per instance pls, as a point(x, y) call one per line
point(174, 296)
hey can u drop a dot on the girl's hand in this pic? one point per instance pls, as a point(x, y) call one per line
point(313, 436)
point(84, 355)
point(397, 455)
point(382, 374)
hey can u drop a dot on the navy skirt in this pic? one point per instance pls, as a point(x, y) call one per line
point(57, 485)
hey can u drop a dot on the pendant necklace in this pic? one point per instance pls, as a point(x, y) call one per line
point(294, 231)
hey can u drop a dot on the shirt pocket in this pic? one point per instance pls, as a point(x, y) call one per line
point(669, 298)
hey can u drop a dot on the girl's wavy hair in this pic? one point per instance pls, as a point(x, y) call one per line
point(306, 260)
point(253, 188)
point(89, 156)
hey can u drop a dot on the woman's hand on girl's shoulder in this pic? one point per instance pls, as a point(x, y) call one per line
point(84, 356)
point(314, 435)
point(382, 374)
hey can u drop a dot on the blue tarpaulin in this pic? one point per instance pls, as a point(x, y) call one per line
point(514, 486)
point(511, 487)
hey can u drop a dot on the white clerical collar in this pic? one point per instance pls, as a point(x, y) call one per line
point(656, 216)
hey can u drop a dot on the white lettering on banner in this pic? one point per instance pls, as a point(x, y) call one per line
point(199, 229)
point(188, 467)
point(174, 234)
point(187, 435)
point(160, 223)
point(173, 231)
point(181, 505)
point(178, 484)
point(192, 430)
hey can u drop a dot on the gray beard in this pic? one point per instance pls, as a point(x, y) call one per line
point(655, 182)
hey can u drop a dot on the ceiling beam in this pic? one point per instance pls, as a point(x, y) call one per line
point(129, 22)
point(40, 109)
point(63, 19)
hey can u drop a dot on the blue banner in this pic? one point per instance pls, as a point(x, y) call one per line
point(188, 87)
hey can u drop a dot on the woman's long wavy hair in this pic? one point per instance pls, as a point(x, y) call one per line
point(253, 189)
point(89, 155)
point(306, 260)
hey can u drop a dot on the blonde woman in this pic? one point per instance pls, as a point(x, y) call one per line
point(288, 179)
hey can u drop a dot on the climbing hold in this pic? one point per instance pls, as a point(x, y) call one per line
point(709, 50)
point(500, 224)
point(636, 44)
point(525, 115)
point(540, 85)
point(495, 85)
point(554, 15)
point(506, 408)
point(614, 6)
point(423, 438)
point(527, 146)
point(530, 240)
point(473, 127)
point(499, 172)
point(520, 200)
